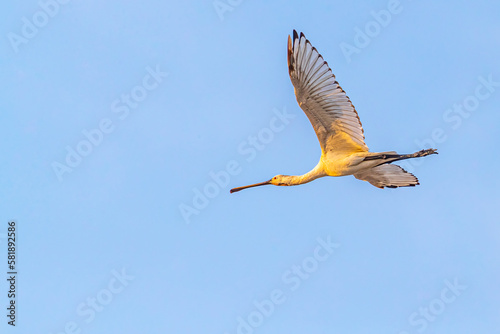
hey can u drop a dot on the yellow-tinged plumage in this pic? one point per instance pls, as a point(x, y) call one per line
point(337, 126)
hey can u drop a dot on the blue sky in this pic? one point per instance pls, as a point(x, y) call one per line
point(126, 124)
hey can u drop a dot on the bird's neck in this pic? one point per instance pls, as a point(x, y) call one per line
point(315, 173)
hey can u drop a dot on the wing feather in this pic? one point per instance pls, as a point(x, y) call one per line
point(325, 103)
point(388, 175)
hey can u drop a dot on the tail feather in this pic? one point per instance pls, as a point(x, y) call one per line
point(388, 175)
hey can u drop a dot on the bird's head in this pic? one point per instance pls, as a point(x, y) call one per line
point(278, 180)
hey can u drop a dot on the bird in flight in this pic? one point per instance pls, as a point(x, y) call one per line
point(337, 125)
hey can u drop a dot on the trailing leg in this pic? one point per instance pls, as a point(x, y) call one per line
point(396, 157)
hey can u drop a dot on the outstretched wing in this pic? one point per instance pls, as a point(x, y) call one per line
point(387, 175)
point(325, 103)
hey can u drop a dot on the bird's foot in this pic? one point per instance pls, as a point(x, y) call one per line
point(426, 152)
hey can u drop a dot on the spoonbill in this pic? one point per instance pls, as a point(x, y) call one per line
point(337, 125)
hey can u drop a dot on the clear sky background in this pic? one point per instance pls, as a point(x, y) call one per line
point(133, 235)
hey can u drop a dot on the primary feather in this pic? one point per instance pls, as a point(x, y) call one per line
point(320, 96)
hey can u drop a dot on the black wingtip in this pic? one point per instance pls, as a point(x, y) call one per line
point(295, 35)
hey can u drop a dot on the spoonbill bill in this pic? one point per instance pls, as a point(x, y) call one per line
point(337, 125)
